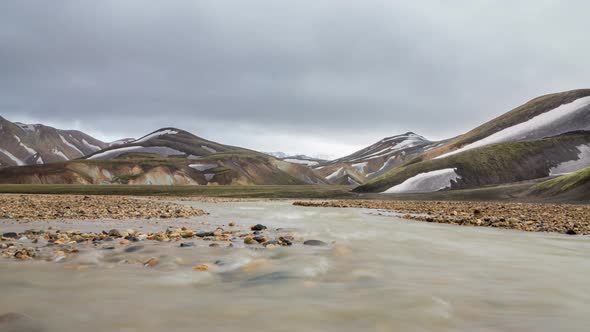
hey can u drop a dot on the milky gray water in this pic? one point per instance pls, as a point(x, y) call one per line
point(380, 273)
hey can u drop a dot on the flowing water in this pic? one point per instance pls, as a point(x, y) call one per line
point(379, 273)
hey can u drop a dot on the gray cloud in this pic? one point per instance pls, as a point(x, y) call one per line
point(305, 76)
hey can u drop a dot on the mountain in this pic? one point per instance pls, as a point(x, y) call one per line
point(167, 156)
point(546, 136)
point(376, 159)
point(30, 144)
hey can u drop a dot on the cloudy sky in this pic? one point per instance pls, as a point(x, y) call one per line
point(312, 76)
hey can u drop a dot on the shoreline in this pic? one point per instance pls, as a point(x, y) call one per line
point(530, 217)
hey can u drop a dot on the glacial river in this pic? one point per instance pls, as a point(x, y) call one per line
point(379, 273)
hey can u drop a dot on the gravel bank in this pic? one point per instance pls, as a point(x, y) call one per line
point(560, 218)
point(50, 207)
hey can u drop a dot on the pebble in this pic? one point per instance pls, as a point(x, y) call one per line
point(187, 244)
point(258, 227)
point(201, 268)
point(10, 235)
point(133, 248)
point(315, 243)
point(151, 262)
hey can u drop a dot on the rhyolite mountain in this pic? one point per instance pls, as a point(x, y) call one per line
point(30, 144)
point(549, 135)
point(167, 156)
point(375, 159)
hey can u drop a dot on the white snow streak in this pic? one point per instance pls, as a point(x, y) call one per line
point(59, 154)
point(573, 165)
point(70, 145)
point(29, 150)
point(202, 167)
point(426, 182)
point(91, 146)
point(335, 175)
point(212, 150)
point(520, 131)
point(301, 161)
point(13, 157)
point(156, 134)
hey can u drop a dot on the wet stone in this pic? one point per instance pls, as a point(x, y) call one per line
point(258, 227)
point(187, 244)
point(133, 248)
point(316, 243)
point(10, 235)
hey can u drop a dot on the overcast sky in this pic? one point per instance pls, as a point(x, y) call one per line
point(312, 76)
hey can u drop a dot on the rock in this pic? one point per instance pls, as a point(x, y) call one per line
point(133, 248)
point(205, 234)
point(259, 239)
point(232, 224)
point(214, 245)
point(10, 235)
point(249, 240)
point(571, 232)
point(114, 233)
point(59, 256)
point(151, 262)
point(187, 244)
point(16, 322)
point(316, 243)
point(201, 268)
point(285, 240)
point(258, 227)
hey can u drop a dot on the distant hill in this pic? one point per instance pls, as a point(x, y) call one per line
point(31, 144)
point(376, 159)
point(167, 156)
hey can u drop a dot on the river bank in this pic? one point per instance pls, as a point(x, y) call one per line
point(531, 217)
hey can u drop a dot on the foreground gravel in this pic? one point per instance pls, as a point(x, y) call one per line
point(50, 207)
point(560, 218)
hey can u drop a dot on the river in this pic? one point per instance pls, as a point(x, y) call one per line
point(379, 273)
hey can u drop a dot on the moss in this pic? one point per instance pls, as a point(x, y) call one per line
point(565, 182)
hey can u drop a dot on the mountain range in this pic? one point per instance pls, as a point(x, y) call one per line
point(547, 136)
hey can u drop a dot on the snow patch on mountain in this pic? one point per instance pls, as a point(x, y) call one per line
point(26, 127)
point(360, 167)
point(13, 157)
point(301, 161)
point(91, 146)
point(29, 150)
point(212, 150)
point(59, 154)
point(426, 182)
point(114, 153)
point(534, 127)
point(202, 167)
point(122, 141)
point(70, 145)
point(336, 174)
point(156, 135)
point(210, 176)
point(573, 165)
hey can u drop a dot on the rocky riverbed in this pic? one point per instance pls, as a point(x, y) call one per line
point(51, 207)
point(559, 218)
